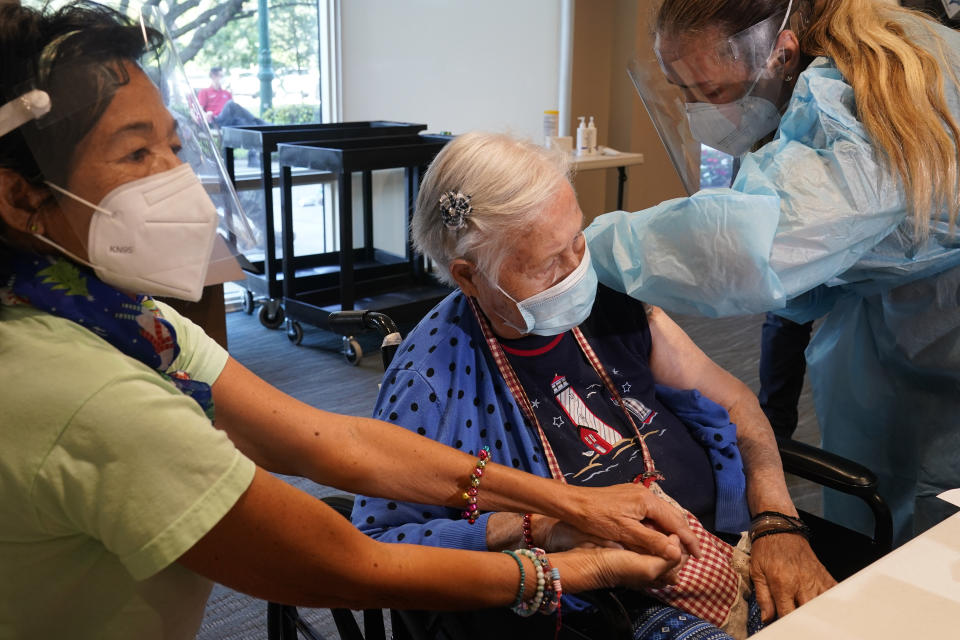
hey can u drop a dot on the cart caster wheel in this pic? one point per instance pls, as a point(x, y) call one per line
point(247, 303)
point(294, 332)
point(352, 351)
point(271, 322)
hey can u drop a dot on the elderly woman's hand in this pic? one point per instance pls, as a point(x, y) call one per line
point(786, 574)
point(555, 535)
point(633, 516)
point(585, 569)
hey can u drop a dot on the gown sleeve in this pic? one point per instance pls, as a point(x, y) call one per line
point(802, 210)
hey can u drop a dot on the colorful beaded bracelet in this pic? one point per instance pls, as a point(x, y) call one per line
point(470, 495)
point(548, 592)
point(527, 530)
point(553, 591)
point(553, 594)
point(555, 603)
point(529, 607)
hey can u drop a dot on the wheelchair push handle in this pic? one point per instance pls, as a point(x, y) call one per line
point(353, 321)
point(347, 322)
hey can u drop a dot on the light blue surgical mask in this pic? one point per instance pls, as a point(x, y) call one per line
point(560, 307)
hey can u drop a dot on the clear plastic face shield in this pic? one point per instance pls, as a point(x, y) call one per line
point(703, 87)
point(126, 152)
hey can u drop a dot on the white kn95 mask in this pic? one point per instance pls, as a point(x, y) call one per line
point(153, 235)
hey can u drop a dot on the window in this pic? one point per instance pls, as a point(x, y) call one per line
point(291, 79)
point(716, 168)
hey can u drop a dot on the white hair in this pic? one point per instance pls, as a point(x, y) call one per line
point(509, 182)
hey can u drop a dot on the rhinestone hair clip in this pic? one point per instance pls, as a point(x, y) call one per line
point(454, 209)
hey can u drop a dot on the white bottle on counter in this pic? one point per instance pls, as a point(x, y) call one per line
point(551, 126)
point(582, 149)
point(591, 138)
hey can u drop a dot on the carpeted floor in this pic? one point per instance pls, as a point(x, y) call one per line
point(316, 373)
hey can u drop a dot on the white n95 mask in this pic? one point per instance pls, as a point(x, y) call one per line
point(153, 235)
point(561, 307)
point(733, 127)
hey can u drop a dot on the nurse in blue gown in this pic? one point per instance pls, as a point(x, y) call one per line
point(844, 114)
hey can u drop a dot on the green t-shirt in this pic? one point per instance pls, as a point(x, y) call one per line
point(108, 474)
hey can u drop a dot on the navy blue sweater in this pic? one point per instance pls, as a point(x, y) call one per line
point(443, 384)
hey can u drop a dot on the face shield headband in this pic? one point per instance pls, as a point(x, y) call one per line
point(724, 94)
point(16, 113)
point(39, 112)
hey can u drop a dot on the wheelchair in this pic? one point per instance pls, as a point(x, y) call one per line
point(841, 550)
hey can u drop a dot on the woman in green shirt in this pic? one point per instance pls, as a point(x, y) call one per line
point(136, 455)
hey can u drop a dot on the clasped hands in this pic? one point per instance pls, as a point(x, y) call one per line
point(630, 518)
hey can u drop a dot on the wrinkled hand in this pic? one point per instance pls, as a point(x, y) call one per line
point(633, 516)
point(555, 535)
point(786, 574)
point(585, 569)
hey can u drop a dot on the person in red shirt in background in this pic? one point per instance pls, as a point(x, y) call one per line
point(218, 104)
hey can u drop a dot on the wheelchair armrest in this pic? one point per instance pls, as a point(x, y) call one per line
point(825, 468)
point(844, 475)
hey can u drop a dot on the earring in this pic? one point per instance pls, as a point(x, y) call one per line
point(32, 225)
point(788, 77)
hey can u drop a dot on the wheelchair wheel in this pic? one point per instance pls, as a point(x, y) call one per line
point(352, 351)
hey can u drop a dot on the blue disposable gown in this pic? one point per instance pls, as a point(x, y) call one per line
point(816, 223)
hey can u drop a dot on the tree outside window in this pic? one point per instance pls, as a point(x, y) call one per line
point(224, 34)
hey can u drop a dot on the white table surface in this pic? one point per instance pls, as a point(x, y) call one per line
point(602, 161)
point(912, 592)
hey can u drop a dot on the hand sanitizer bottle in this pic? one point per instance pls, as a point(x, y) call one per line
point(582, 148)
point(591, 138)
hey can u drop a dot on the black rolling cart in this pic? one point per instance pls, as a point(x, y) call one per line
point(262, 276)
point(364, 277)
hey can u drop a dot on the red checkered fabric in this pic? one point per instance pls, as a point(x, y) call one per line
point(707, 587)
point(516, 389)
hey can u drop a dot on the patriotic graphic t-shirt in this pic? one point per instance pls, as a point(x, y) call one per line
point(593, 441)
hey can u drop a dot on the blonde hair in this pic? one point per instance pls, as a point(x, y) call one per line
point(898, 85)
point(510, 182)
point(899, 89)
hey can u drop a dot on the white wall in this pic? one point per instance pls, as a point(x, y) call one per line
point(455, 65)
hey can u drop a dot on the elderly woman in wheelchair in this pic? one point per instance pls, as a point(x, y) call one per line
point(559, 376)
